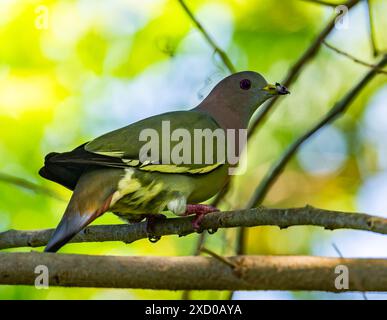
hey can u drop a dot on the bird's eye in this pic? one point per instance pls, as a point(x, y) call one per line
point(245, 84)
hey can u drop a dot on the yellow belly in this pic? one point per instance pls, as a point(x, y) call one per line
point(143, 192)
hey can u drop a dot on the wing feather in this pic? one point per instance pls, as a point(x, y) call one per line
point(120, 149)
point(125, 144)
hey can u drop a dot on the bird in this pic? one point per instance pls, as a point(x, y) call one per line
point(108, 174)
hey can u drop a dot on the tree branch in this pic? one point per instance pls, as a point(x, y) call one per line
point(298, 66)
point(323, 3)
point(354, 59)
point(193, 273)
point(374, 47)
point(337, 110)
point(226, 60)
point(23, 183)
point(261, 216)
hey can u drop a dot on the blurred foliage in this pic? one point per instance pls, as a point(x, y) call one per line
point(98, 65)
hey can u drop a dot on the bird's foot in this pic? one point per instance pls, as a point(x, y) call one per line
point(151, 221)
point(200, 210)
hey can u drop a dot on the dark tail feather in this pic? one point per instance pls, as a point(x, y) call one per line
point(71, 223)
point(91, 198)
point(69, 226)
point(66, 175)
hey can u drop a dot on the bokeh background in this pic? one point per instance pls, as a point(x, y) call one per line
point(71, 70)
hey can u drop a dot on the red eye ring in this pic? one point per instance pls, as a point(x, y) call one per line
point(245, 84)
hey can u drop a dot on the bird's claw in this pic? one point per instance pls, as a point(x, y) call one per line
point(200, 211)
point(153, 238)
point(212, 231)
point(151, 220)
point(196, 222)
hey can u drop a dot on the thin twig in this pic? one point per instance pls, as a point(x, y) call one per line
point(337, 250)
point(354, 59)
point(342, 257)
point(323, 3)
point(23, 183)
point(202, 237)
point(240, 249)
point(337, 110)
point(224, 260)
point(226, 60)
point(374, 47)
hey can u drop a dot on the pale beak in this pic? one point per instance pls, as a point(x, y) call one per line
point(276, 89)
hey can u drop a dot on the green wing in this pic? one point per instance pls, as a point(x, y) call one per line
point(125, 143)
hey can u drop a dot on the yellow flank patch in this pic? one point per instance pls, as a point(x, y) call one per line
point(146, 193)
point(115, 154)
point(125, 186)
point(163, 168)
point(145, 163)
point(171, 168)
point(205, 169)
point(132, 163)
point(166, 168)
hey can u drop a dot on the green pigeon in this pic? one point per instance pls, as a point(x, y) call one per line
point(109, 173)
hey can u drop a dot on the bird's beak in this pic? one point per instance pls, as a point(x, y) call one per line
point(276, 89)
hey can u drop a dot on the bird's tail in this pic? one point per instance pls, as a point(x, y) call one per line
point(91, 198)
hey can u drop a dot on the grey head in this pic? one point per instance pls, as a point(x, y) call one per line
point(233, 100)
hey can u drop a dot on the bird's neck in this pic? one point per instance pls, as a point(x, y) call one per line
point(224, 115)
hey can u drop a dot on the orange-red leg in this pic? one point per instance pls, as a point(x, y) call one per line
point(200, 210)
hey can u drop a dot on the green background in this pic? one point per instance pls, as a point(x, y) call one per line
point(99, 65)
